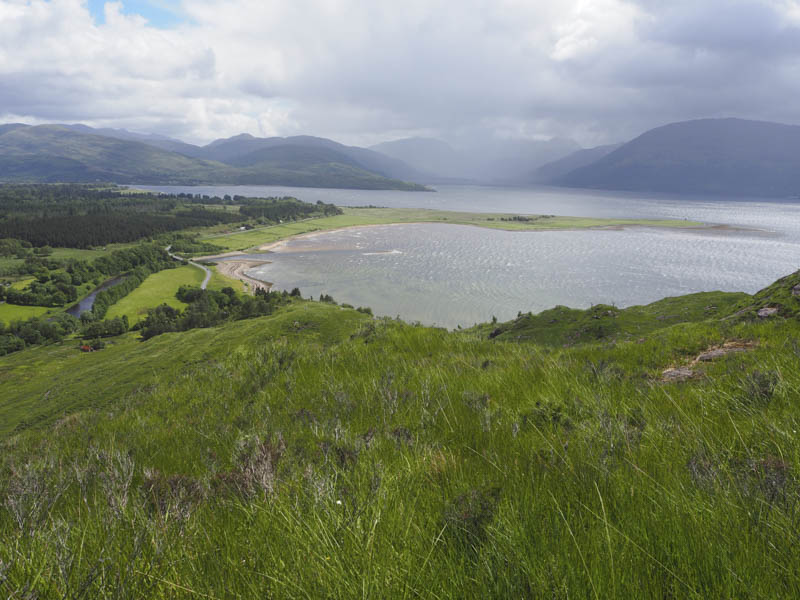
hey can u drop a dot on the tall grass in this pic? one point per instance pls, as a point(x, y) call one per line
point(343, 458)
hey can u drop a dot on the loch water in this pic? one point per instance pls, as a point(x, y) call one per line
point(452, 275)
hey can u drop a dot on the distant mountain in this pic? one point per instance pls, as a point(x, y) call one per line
point(512, 161)
point(79, 154)
point(158, 141)
point(234, 151)
point(707, 156)
point(10, 127)
point(436, 158)
point(52, 153)
point(558, 168)
point(501, 161)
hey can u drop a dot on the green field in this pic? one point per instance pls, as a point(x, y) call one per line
point(318, 452)
point(382, 216)
point(22, 283)
point(12, 312)
point(158, 288)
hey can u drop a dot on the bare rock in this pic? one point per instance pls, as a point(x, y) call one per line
point(796, 290)
point(677, 374)
point(714, 353)
point(767, 311)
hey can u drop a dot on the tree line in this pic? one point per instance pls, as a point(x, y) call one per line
point(207, 308)
point(87, 231)
point(57, 284)
point(84, 216)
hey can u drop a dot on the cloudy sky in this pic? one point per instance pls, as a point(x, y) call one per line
point(363, 71)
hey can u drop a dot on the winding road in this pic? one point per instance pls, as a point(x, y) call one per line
point(194, 264)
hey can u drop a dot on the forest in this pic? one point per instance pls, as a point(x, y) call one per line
point(86, 216)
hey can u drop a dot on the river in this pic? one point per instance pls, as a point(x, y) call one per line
point(86, 304)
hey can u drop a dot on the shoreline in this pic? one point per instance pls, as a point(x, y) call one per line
point(235, 269)
point(274, 246)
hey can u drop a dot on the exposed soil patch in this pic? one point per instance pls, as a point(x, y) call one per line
point(715, 352)
point(677, 374)
point(684, 373)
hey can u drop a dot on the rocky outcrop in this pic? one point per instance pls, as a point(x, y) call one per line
point(677, 374)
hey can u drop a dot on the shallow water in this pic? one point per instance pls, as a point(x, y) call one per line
point(457, 275)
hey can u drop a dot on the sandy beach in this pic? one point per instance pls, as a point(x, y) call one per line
point(276, 246)
point(235, 269)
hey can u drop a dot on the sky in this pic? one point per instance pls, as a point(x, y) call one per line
point(362, 72)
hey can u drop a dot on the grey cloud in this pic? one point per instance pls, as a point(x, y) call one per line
point(599, 71)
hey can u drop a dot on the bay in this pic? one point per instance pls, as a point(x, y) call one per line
point(453, 275)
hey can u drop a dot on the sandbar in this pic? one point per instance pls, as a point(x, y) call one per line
point(235, 269)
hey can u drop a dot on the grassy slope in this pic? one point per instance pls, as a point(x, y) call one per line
point(316, 453)
point(562, 325)
point(42, 384)
point(381, 216)
point(158, 288)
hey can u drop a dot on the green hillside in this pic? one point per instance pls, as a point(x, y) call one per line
point(54, 153)
point(51, 153)
point(319, 452)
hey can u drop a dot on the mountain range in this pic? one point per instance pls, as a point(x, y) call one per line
point(77, 153)
point(705, 156)
point(733, 157)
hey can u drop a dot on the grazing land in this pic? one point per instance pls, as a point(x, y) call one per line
point(12, 312)
point(158, 288)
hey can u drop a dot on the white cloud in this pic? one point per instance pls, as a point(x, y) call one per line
point(600, 70)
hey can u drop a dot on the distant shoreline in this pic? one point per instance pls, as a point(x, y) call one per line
point(242, 246)
point(236, 268)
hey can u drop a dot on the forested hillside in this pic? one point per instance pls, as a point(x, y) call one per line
point(80, 216)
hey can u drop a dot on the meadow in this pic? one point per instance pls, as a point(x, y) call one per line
point(158, 288)
point(12, 312)
point(319, 452)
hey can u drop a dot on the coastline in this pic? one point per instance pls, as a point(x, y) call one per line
point(235, 269)
point(276, 245)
